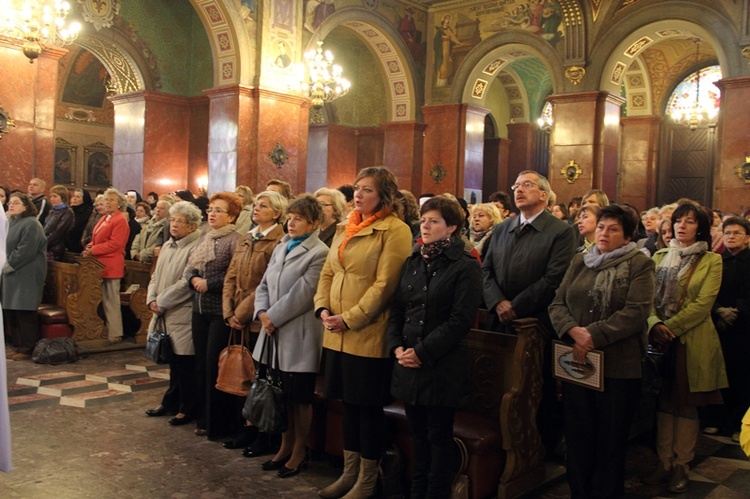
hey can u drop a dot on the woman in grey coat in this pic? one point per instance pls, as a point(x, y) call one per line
point(170, 298)
point(284, 306)
point(23, 274)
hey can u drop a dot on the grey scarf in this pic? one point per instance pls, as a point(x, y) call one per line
point(675, 265)
point(608, 271)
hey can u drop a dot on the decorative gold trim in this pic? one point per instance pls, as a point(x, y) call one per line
point(278, 155)
point(438, 173)
point(743, 171)
point(746, 54)
point(571, 171)
point(5, 122)
point(575, 74)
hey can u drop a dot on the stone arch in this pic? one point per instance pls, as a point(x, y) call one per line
point(127, 66)
point(493, 55)
point(643, 27)
point(229, 40)
point(404, 94)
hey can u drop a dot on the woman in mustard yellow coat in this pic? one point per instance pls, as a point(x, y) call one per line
point(356, 285)
point(688, 278)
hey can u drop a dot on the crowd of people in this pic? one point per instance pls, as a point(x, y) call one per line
point(378, 290)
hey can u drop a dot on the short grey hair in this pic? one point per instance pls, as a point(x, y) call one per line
point(164, 202)
point(337, 200)
point(543, 182)
point(277, 202)
point(122, 199)
point(188, 210)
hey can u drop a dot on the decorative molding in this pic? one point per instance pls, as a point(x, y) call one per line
point(80, 114)
point(5, 122)
point(278, 155)
point(743, 171)
point(100, 12)
point(746, 54)
point(575, 74)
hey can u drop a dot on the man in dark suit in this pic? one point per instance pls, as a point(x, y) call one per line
point(525, 262)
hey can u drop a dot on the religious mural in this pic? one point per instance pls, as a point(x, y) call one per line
point(85, 83)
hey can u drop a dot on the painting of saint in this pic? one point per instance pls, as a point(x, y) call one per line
point(282, 14)
point(85, 83)
point(63, 173)
point(98, 170)
point(408, 30)
point(282, 60)
point(445, 40)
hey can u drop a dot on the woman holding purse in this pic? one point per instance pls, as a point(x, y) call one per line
point(284, 305)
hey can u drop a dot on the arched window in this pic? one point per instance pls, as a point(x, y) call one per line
point(683, 100)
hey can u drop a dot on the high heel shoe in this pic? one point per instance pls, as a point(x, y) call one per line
point(285, 472)
point(271, 465)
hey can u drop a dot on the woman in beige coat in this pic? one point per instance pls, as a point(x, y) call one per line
point(356, 285)
point(170, 297)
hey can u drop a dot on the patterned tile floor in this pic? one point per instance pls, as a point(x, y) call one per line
point(104, 446)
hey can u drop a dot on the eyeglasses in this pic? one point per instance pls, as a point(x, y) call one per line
point(528, 184)
point(218, 211)
point(13, 203)
point(177, 221)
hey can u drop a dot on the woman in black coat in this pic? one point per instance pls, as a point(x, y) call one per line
point(432, 312)
point(58, 223)
point(82, 206)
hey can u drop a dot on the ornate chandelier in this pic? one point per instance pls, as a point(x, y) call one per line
point(700, 112)
point(38, 23)
point(323, 81)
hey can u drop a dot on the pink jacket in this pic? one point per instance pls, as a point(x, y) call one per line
point(108, 244)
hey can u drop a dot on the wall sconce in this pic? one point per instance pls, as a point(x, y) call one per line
point(202, 185)
point(545, 124)
point(438, 173)
point(5, 122)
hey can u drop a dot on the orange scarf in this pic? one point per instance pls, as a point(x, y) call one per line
point(356, 224)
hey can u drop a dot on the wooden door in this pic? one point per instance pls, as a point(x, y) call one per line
point(688, 166)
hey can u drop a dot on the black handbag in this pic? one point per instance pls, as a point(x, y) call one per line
point(55, 351)
point(159, 344)
point(265, 406)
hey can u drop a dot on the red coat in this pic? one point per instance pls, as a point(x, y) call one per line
point(108, 244)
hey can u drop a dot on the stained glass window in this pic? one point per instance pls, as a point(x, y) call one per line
point(683, 97)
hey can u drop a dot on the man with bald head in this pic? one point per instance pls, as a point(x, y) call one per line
point(36, 191)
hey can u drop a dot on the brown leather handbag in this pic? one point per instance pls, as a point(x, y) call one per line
point(236, 367)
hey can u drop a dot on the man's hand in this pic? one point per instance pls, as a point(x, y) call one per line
point(505, 312)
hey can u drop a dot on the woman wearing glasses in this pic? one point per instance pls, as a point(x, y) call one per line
point(205, 274)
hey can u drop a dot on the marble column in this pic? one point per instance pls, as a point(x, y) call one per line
point(587, 131)
point(520, 152)
point(232, 137)
point(731, 193)
point(403, 150)
point(639, 159)
point(454, 139)
point(152, 142)
point(28, 93)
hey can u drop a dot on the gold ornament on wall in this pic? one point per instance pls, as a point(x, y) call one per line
point(746, 54)
point(575, 74)
point(571, 171)
point(743, 171)
point(438, 173)
point(5, 122)
point(278, 155)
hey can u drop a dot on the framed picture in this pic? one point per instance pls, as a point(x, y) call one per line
point(97, 164)
point(64, 172)
point(589, 374)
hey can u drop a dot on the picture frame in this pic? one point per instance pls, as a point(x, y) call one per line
point(590, 375)
point(97, 165)
point(64, 170)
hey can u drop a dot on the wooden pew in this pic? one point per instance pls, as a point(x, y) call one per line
point(506, 456)
point(133, 294)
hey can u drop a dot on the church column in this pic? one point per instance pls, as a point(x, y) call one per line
point(282, 119)
point(587, 131)
point(520, 154)
point(151, 142)
point(455, 140)
point(639, 158)
point(232, 137)
point(402, 151)
point(731, 193)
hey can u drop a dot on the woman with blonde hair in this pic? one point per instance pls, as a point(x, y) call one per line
point(245, 220)
point(596, 197)
point(356, 285)
point(333, 203)
point(484, 217)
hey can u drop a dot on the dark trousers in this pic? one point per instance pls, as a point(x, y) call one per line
point(217, 411)
point(181, 394)
point(364, 430)
point(433, 449)
point(24, 329)
point(596, 434)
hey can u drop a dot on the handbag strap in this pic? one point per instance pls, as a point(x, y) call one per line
point(160, 321)
point(687, 283)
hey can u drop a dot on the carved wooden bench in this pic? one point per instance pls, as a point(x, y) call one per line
point(137, 273)
point(506, 456)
